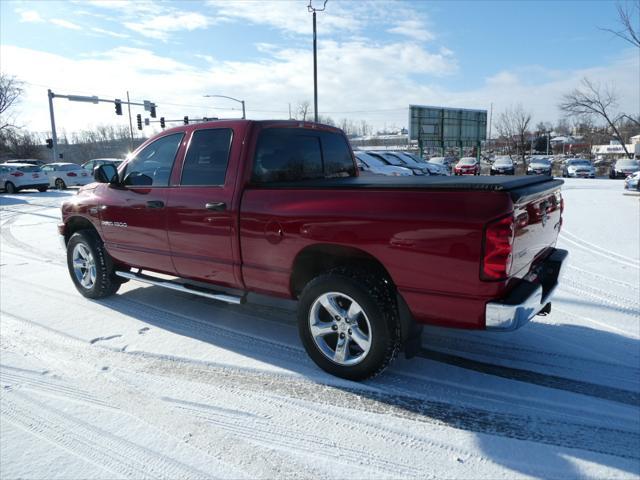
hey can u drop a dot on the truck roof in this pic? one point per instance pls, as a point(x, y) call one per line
point(231, 123)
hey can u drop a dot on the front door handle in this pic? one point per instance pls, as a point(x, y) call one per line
point(155, 204)
point(217, 206)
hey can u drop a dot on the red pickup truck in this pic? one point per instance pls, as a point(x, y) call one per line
point(224, 208)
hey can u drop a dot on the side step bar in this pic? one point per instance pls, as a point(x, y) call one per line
point(139, 277)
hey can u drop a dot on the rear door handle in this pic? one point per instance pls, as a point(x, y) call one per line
point(155, 204)
point(217, 206)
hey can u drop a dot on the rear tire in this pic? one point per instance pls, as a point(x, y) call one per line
point(60, 185)
point(357, 335)
point(10, 188)
point(43, 189)
point(90, 266)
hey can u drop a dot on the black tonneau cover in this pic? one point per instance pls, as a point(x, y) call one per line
point(517, 187)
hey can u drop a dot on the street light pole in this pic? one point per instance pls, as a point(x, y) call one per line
point(313, 10)
point(244, 116)
point(54, 137)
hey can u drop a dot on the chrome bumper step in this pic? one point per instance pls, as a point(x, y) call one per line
point(179, 287)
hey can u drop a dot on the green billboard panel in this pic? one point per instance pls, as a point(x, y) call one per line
point(447, 127)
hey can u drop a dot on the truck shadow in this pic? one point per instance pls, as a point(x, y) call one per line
point(500, 403)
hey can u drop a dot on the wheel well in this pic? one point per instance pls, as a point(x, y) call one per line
point(317, 259)
point(75, 224)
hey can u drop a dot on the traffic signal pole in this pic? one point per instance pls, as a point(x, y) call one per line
point(54, 137)
point(130, 121)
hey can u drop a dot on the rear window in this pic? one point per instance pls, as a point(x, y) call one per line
point(67, 168)
point(207, 157)
point(32, 168)
point(290, 154)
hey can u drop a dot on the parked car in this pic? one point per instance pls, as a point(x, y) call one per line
point(631, 182)
point(445, 162)
point(503, 166)
point(578, 168)
point(22, 176)
point(277, 207)
point(467, 166)
point(539, 166)
point(623, 168)
point(96, 162)
point(29, 161)
point(411, 163)
point(63, 175)
point(394, 160)
point(371, 164)
point(432, 168)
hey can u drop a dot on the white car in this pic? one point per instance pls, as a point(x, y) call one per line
point(63, 175)
point(21, 176)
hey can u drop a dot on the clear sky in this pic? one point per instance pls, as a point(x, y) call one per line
point(375, 58)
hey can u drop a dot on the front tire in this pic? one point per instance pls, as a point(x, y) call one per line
point(43, 189)
point(348, 324)
point(60, 185)
point(90, 266)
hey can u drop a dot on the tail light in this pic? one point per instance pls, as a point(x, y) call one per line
point(498, 247)
point(17, 174)
point(72, 174)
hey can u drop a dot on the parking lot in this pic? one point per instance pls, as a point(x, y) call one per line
point(153, 383)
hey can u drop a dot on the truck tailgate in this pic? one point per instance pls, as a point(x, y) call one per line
point(537, 212)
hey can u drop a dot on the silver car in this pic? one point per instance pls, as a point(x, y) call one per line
point(371, 164)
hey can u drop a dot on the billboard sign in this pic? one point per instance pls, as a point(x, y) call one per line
point(447, 127)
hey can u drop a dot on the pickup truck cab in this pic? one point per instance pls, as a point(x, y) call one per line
point(277, 207)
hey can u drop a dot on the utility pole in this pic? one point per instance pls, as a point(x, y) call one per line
point(490, 121)
point(313, 10)
point(130, 122)
point(54, 137)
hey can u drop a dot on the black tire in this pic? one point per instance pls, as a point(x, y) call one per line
point(60, 185)
point(43, 189)
point(377, 301)
point(10, 188)
point(106, 283)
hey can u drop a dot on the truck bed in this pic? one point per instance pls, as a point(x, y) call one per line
point(519, 188)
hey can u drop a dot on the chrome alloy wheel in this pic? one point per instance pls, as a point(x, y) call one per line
point(340, 328)
point(84, 266)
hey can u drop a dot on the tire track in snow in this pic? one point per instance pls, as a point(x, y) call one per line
point(545, 380)
point(118, 455)
point(594, 250)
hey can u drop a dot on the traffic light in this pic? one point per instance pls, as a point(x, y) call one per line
point(49, 143)
point(139, 120)
point(153, 110)
point(162, 122)
point(186, 120)
point(118, 103)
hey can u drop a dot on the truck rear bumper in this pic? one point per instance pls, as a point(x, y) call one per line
point(527, 300)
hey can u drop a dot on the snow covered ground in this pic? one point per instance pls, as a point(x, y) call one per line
point(157, 384)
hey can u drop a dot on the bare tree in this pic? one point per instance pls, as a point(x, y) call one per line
point(16, 144)
point(513, 125)
point(302, 110)
point(593, 100)
point(10, 91)
point(629, 23)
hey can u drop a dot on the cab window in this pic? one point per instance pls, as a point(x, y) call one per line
point(206, 161)
point(152, 166)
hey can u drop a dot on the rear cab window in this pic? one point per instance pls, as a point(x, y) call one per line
point(207, 157)
point(293, 154)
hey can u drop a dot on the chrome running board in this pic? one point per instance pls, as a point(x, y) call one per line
point(222, 297)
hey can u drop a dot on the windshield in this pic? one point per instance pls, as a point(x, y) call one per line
point(503, 161)
point(437, 160)
point(582, 163)
point(413, 156)
point(540, 161)
point(627, 162)
point(467, 161)
point(370, 160)
point(406, 158)
point(391, 159)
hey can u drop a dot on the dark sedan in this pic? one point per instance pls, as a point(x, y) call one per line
point(503, 166)
point(623, 168)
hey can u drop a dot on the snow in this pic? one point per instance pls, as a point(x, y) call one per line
point(158, 384)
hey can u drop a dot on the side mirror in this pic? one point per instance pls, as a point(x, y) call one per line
point(106, 173)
